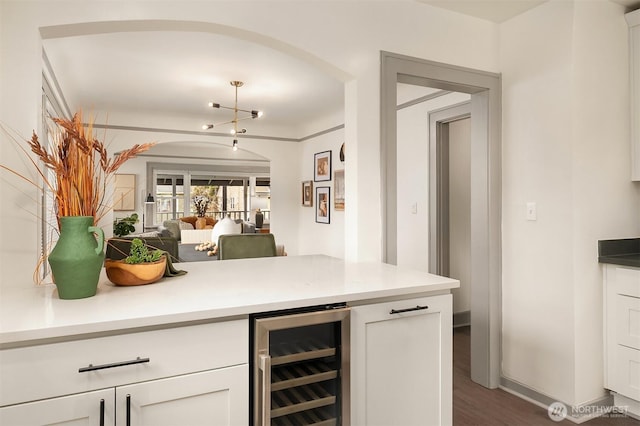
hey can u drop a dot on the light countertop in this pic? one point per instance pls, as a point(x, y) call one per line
point(210, 290)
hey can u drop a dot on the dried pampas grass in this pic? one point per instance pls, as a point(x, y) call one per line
point(81, 167)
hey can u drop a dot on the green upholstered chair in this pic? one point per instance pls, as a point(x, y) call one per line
point(240, 246)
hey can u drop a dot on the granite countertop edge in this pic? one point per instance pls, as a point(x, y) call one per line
point(625, 252)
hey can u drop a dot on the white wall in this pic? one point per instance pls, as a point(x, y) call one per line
point(413, 180)
point(565, 147)
point(314, 238)
point(350, 51)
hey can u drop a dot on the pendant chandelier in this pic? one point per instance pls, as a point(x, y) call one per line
point(235, 131)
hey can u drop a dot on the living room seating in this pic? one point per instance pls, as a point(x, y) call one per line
point(174, 227)
point(210, 222)
point(240, 246)
point(118, 247)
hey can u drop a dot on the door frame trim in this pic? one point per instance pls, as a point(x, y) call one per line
point(439, 182)
point(486, 189)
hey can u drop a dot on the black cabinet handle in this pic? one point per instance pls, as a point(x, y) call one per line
point(102, 412)
point(92, 367)
point(128, 410)
point(400, 311)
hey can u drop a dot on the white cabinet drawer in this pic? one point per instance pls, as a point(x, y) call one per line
point(627, 372)
point(627, 281)
point(83, 409)
point(49, 370)
point(627, 321)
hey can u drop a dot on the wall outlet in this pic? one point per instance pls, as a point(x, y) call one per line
point(414, 208)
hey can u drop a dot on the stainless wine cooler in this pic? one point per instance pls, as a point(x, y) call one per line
point(300, 367)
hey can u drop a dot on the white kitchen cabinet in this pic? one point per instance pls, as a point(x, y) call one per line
point(85, 409)
point(401, 362)
point(633, 19)
point(214, 398)
point(196, 374)
point(622, 335)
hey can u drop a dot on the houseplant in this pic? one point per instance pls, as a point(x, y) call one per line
point(142, 266)
point(125, 225)
point(75, 171)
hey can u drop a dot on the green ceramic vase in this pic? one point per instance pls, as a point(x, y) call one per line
point(77, 258)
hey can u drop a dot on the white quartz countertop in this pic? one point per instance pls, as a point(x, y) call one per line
point(210, 290)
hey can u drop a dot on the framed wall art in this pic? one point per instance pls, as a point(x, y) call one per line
point(338, 190)
point(323, 203)
point(124, 193)
point(322, 166)
point(307, 193)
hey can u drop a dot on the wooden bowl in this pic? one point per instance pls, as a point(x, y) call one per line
point(121, 273)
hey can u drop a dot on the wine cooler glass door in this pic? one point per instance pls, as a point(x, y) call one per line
point(301, 372)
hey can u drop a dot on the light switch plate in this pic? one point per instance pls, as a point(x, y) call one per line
point(532, 211)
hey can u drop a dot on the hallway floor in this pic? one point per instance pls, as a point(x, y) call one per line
point(474, 405)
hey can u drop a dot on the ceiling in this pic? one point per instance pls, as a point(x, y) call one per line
point(173, 75)
point(502, 10)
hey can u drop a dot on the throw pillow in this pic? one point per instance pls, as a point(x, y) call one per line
point(184, 225)
point(173, 227)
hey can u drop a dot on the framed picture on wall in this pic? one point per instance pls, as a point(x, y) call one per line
point(322, 166)
point(124, 193)
point(338, 190)
point(323, 203)
point(307, 193)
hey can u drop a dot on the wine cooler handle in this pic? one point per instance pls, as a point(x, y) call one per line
point(128, 413)
point(400, 311)
point(265, 397)
point(102, 412)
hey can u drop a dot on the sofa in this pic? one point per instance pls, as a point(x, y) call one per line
point(118, 247)
point(173, 227)
point(210, 222)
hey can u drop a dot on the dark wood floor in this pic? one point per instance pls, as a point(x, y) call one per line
point(474, 405)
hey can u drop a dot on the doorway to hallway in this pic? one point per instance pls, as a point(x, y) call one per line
point(485, 171)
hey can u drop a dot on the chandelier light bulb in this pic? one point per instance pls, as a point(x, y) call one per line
point(235, 144)
point(232, 131)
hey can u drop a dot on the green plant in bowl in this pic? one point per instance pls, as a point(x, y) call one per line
point(140, 253)
point(142, 266)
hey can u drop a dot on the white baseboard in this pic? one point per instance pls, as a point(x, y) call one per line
point(574, 413)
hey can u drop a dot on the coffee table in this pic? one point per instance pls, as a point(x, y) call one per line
point(188, 253)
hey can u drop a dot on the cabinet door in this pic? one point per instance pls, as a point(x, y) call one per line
point(90, 409)
point(215, 398)
point(401, 362)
